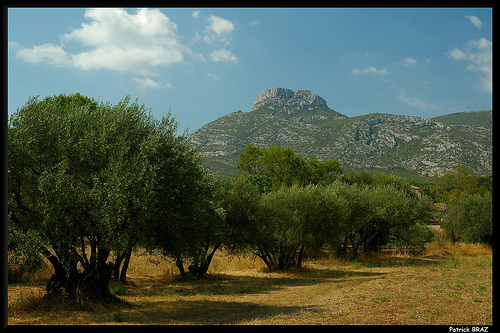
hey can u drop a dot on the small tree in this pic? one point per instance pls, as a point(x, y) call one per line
point(381, 215)
point(471, 219)
point(238, 198)
point(291, 220)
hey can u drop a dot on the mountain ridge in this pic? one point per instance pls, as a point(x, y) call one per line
point(404, 145)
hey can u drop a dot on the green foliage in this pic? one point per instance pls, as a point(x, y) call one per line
point(238, 199)
point(471, 219)
point(22, 253)
point(373, 179)
point(485, 183)
point(82, 171)
point(213, 214)
point(281, 166)
point(292, 219)
point(382, 215)
point(353, 212)
point(455, 184)
point(321, 172)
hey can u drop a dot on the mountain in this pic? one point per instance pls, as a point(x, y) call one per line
point(403, 145)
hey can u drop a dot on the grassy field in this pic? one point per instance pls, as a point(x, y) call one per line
point(450, 284)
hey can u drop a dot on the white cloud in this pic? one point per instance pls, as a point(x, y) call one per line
point(222, 55)
point(46, 53)
point(220, 25)
point(257, 22)
point(218, 30)
point(474, 20)
point(418, 103)
point(116, 40)
point(480, 57)
point(481, 43)
point(147, 82)
point(457, 54)
point(409, 61)
point(213, 76)
point(369, 70)
point(14, 45)
point(139, 42)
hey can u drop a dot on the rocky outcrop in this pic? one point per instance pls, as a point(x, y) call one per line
point(292, 100)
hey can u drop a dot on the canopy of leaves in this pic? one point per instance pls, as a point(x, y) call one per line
point(471, 219)
point(458, 183)
point(87, 172)
point(275, 166)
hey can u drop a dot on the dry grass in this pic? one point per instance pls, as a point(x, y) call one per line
point(451, 284)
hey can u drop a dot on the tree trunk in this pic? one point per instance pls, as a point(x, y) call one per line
point(299, 259)
point(91, 285)
point(198, 271)
point(118, 263)
point(123, 274)
point(180, 266)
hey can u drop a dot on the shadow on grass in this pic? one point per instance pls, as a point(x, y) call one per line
point(223, 284)
point(161, 302)
point(205, 312)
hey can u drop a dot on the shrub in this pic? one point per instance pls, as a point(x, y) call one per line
point(471, 219)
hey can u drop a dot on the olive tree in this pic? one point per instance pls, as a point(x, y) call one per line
point(471, 219)
point(382, 215)
point(238, 199)
point(83, 176)
point(292, 219)
point(189, 227)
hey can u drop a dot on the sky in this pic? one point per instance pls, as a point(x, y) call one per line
point(204, 63)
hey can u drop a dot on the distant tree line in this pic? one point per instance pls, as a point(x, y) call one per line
point(89, 181)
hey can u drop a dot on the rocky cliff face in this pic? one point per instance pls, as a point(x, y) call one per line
point(283, 97)
point(408, 146)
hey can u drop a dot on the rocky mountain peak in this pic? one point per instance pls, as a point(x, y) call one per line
point(283, 97)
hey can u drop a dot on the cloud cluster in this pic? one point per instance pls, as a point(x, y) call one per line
point(116, 40)
point(222, 55)
point(369, 70)
point(479, 55)
point(138, 43)
point(217, 33)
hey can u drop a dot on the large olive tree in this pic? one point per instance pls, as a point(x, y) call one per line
point(85, 177)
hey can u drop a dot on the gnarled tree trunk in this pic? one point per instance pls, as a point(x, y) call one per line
point(80, 287)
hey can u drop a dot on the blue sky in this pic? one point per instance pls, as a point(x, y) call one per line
point(205, 63)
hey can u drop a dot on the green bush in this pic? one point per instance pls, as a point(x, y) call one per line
point(22, 250)
point(471, 219)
